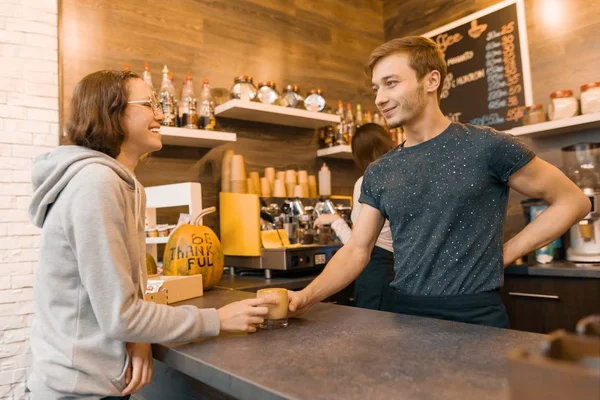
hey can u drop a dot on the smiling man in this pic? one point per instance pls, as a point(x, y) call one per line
point(444, 192)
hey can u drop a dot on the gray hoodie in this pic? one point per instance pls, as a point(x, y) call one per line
point(88, 283)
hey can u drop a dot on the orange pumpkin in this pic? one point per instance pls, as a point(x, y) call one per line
point(151, 265)
point(195, 249)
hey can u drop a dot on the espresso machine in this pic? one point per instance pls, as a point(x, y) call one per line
point(582, 165)
point(250, 225)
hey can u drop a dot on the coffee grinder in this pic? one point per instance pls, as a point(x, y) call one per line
point(582, 165)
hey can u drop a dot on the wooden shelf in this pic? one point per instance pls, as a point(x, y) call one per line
point(340, 151)
point(157, 240)
point(195, 137)
point(266, 113)
point(560, 126)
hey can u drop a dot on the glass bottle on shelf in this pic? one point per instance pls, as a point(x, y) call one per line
point(147, 76)
point(359, 116)
point(166, 98)
point(206, 118)
point(189, 118)
point(350, 125)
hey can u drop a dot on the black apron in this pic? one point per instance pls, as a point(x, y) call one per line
point(374, 280)
point(485, 308)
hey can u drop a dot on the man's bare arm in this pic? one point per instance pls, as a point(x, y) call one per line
point(567, 205)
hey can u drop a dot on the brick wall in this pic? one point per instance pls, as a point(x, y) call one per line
point(28, 126)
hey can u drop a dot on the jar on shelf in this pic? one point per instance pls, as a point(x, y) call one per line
point(534, 114)
point(243, 88)
point(590, 98)
point(562, 105)
point(267, 94)
point(291, 96)
point(315, 100)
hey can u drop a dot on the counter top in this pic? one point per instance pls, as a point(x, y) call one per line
point(557, 269)
point(335, 352)
point(253, 283)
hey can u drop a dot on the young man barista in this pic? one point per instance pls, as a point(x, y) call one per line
point(444, 192)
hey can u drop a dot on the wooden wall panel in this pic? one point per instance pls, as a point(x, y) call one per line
point(563, 55)
point(311, 43)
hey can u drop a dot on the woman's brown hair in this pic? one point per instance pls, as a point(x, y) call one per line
point(97, 107)
point(370, 142)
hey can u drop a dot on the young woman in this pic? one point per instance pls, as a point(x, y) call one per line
point(92, 333)
point(368, 143)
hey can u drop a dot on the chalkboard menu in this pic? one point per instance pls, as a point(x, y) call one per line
point(488, 80)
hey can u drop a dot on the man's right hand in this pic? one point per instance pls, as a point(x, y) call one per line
point(299, 303)
point(242, 316)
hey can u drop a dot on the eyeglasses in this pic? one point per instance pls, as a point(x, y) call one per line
point(151, 103)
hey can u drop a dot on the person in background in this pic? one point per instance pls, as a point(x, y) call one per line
point(92, 332)
point(370, 142)
point(445, 193)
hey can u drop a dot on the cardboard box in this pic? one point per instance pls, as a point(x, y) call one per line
point(159, 297)
point(179, 288)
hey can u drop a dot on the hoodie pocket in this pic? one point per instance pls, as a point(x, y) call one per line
point(119, 381)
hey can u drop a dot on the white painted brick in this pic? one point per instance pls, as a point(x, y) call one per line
point(12, 85)
point(48, 78)
point(3, 98)
point(7, 201)
point(12, 349)
point(16, 335)
point(4, 389)
point(15, 295)
point(54, 131)
point(18, 25)
point(15, 189)
point(36, 127)
point(36, 114)
point(19, 150)
point(22, 281)
point(6, 378)
point(38, 53)
point(10, 70)
point(24, 308)
point(15, 362)
point(23, 202)
point(16, 137)
point(7, 310)
point(5, 176)
point(45, 41)
point(46, 17)
point(43, 5)
point(10, 163)
point(25, 100)
point(21, 268)
point(30, 319)
point(46, 89)
point(13, 322)
point(21, 176)
point(19, 255)
point(5, 282)
point(10, 50)
point(12, 37)
point(18, 229)
point(47, 140)
point(19, 242)
point(8, 111)
point(3, 230)
point(39, 66)
point(5, 150)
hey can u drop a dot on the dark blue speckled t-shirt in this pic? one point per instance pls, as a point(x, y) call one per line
point(446, 200)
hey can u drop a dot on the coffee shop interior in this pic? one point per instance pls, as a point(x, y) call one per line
point(261, 100)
